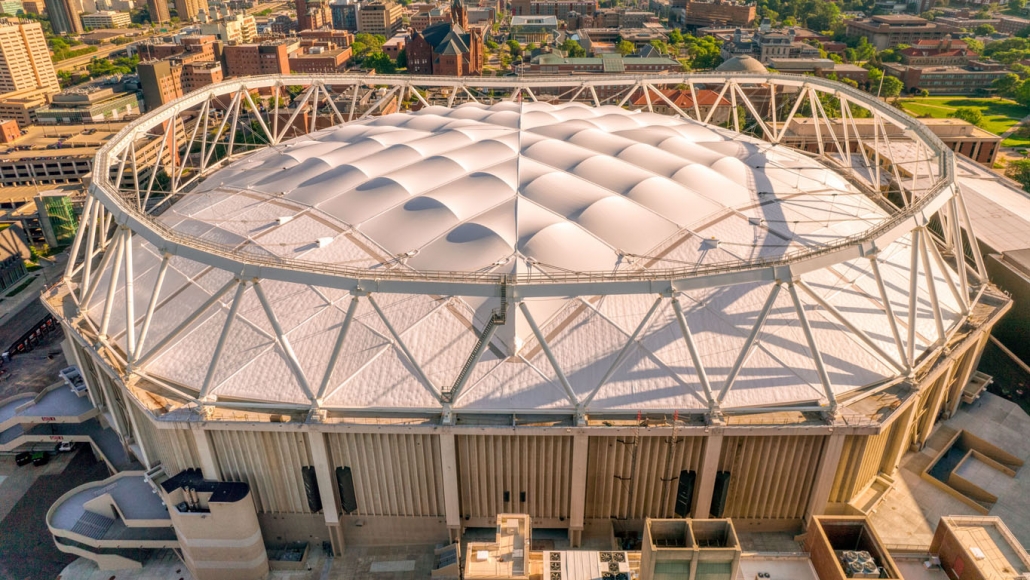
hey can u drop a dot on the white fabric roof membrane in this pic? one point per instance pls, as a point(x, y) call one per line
point(515, 187)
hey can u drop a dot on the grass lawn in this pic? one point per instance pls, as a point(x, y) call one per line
point(999, 114)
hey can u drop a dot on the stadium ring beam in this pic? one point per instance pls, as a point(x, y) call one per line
point(136, 231)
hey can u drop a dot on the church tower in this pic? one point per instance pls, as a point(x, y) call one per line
point(459, 15)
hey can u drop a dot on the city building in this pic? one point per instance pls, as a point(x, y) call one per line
point(13, 253)
point(380, 17)
point(559, 8)
point(189, 48)
point(345, 15)
point(161, 81)
point(196, 75)
point(34, 6)
point(98, 101)
point(768, 44)
point(714, 13)
point(271, 57)
point(9, 131)
point(106, 19)
point(25, 58)
point(822, 67)
point(599, 316)
point(550, 63)
point(888, 31)
point(947, 51)
point(158, 10)
point(237, 29)
point(319, 59)
point(973, 78)
point(12, 7)
point(447, 48)
point(22, 105)
point(191, 10)
point(340, 38)
point(427, 18)
point(536, 29)
point(313, 14)
point(64, 16)
point(393, 46)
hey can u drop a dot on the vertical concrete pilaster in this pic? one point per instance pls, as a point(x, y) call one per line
point(326, 488)
point(205, 453)
point(706, 480)
point(578, 491)
point(449, 461)
point(829, 460)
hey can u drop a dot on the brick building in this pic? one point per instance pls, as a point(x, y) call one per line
point(946, 51)
point(446, 48)
point(971, 79)
point(715, 13)
point(313, 14)
point(257, 59)
point(561, 9)
point(888, 31)
point(319, 59)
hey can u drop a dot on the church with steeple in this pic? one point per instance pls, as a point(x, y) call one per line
point(447, 48)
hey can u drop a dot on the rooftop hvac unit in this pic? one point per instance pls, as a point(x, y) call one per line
point(859, 564)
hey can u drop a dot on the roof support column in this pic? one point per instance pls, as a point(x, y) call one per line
point(326, 489)
point(939, 392)
point(449, 462)
point(828, 461)
point(706, 483)
point(578, 492)
point(969, 361)
point(205, 454)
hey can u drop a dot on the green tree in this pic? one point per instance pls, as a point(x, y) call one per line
point(969, 115)
point(892, 87)
point(625, 47)
point(983, 30)
point(1020, 171)
point(402, 59)
point(1006, 85)
point(864, 50)
point(381, 63)
point(514, 47)
point(676, 37)
point(660, 46)
point(573, 48)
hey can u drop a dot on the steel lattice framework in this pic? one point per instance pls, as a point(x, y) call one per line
point(160, 158)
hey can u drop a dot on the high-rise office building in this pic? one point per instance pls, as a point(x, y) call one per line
point(24, 57)
point(158, 11)
point(189, 9)
point(380, 17)
point(312, 14)
point(64, 16)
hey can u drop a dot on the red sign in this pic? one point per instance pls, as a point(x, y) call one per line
point(48, 419)
point(57, 438)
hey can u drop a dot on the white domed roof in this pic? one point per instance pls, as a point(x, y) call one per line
point(743, 63)
point(524, 187)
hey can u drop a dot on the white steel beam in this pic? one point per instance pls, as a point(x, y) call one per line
point(817, 357)
point(850, 326)
point(337, 349)
point(630, 343)
point(695, 356)
point(130, 297)
point(216, 357)
point(569, 392)
point(112, 285)
point(398, 342)
point(888, 309)
point(148, 317)
point(284, 342)
point(931, 286)
point(176, 332)
point(745, 352)
point(913, 294)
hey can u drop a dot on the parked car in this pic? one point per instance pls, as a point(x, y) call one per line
point(66, 446)
point(40, 458)
point(23, 458)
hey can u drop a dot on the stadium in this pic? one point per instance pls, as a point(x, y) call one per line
point(484, 296)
